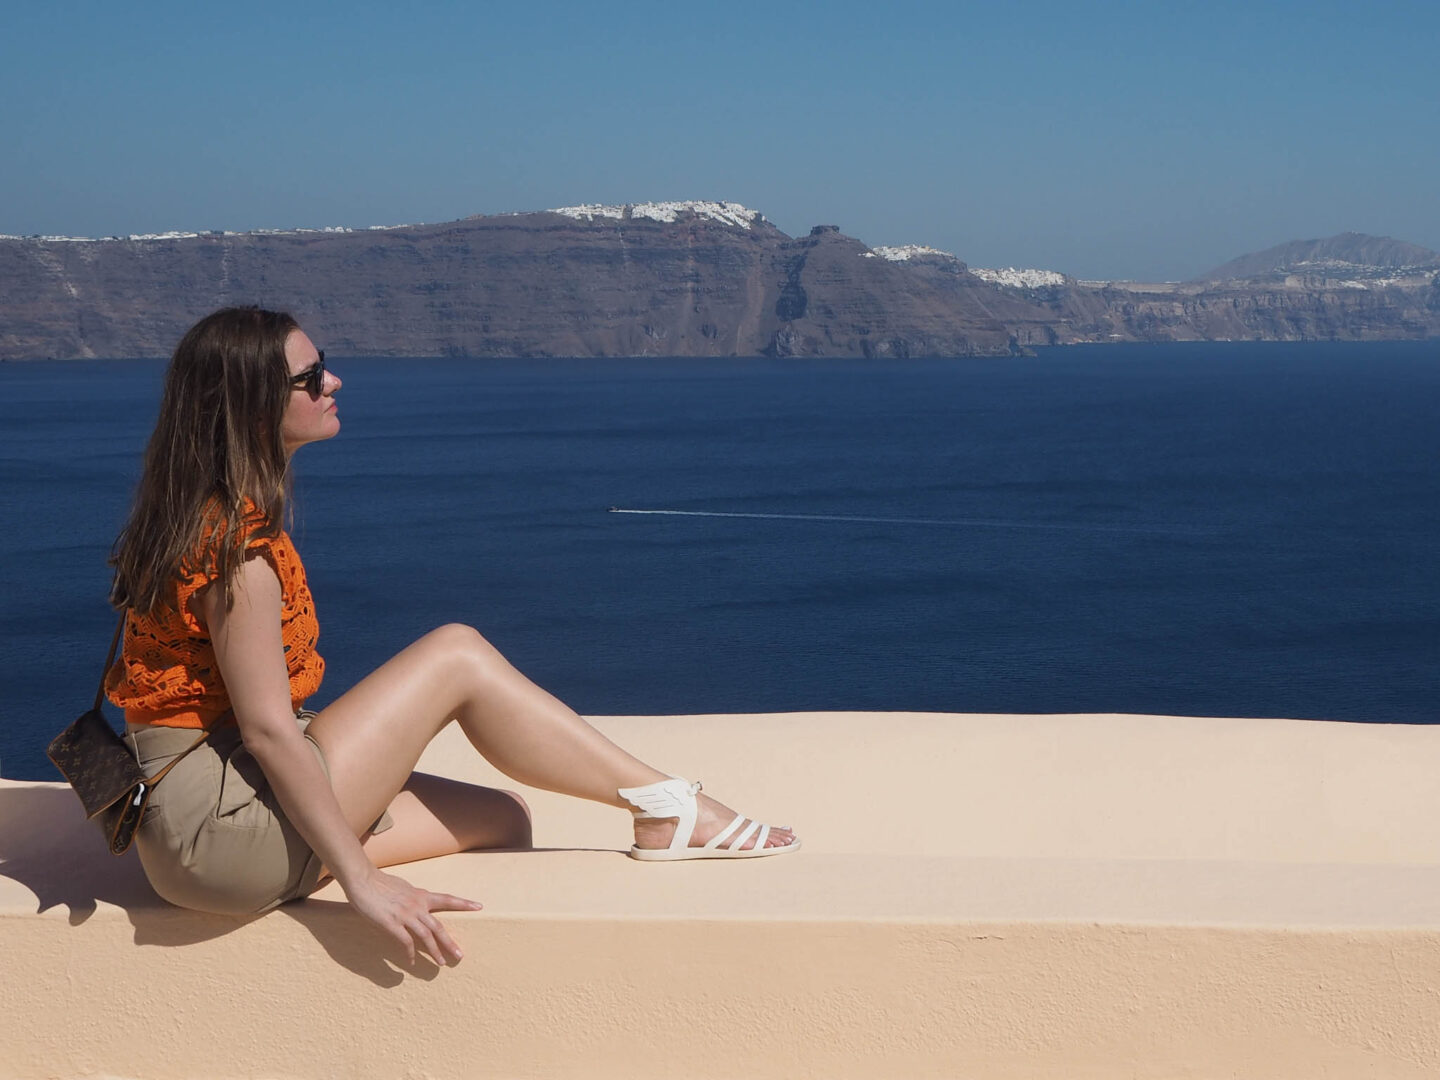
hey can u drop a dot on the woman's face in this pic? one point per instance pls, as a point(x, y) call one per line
point(307, 418)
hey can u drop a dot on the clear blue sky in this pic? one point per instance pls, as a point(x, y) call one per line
point(1145, 140)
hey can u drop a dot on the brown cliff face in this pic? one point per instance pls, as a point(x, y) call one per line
point(835, 297)
point(1251, 311)
point(551, 284)
point(522, 285)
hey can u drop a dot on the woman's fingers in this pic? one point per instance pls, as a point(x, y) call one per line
point(429, 932)
point(425, 937)
point(440, 901)
point(439, 935)
point(412, 932)
point(406, 913)
point(445, 951)
point(401, 934)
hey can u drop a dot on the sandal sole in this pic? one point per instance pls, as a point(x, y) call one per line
point(698, 853)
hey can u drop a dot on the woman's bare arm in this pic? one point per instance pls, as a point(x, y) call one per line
point(251, 656)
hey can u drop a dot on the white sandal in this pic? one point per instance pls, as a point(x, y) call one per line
point(675, 798)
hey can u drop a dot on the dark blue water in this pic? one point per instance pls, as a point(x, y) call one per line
point(1238, 530)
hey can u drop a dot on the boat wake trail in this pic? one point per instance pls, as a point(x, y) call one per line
point(982, 523)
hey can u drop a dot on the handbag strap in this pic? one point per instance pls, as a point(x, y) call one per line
point(178, 758)
point(109, 659)
point(100, 697)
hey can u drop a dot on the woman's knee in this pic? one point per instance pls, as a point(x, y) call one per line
point(463, 644)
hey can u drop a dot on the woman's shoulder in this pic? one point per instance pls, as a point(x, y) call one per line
point(246, 529)
point(260, 535)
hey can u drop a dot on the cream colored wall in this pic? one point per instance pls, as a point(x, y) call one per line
point(987, 896)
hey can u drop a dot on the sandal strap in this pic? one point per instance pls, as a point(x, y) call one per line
point(739, 841)
point(675, 798)
point(719, 838)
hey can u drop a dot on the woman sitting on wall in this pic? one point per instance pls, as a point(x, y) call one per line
point(221, 635)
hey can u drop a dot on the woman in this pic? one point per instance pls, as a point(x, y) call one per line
point(220, 635)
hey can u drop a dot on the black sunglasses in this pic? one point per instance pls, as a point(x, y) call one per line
point(312, 378)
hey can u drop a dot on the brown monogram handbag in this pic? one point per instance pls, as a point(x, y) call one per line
point(104, 771)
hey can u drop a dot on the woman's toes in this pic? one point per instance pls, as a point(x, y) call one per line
point(777, 837)
point(713, 818)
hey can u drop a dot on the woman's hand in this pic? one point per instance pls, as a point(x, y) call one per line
point(251, 655)
point(405, 913)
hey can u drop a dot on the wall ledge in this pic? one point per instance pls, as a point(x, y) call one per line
point(1086, 896)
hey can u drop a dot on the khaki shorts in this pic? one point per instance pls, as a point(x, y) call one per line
point(214, 837)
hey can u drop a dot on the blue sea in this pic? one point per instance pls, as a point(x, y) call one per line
point(1199, 529)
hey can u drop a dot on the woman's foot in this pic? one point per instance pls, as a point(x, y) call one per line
point(654, 832)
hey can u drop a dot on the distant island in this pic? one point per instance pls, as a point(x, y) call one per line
point(674, 279)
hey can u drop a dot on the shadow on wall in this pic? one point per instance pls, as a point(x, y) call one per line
point(47, 847)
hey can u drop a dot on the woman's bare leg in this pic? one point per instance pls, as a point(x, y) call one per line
point(374, 734)
point(436, 816)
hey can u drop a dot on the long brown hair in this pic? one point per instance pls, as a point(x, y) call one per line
point(217, 447)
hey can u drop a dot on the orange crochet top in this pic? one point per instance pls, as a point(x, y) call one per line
point(167, 673)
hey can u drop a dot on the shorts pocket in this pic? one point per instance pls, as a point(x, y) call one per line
point(188, 790)
point(245, 796)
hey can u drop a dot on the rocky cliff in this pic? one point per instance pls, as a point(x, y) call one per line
point(1348, 254)
point(665, 279)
